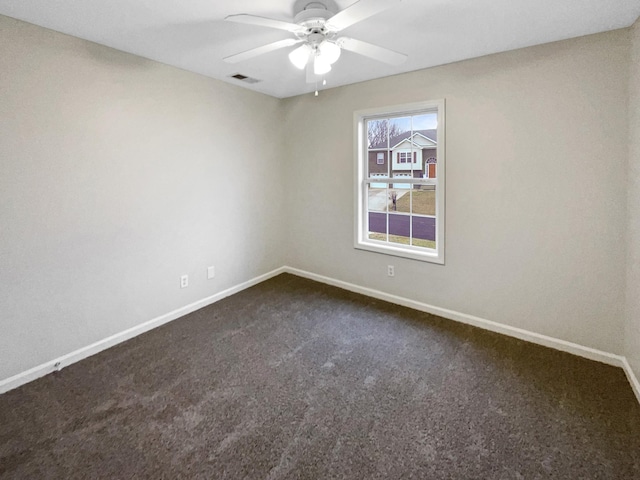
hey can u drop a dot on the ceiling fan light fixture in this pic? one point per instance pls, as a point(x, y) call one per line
point(329, 51)
point(300, 56)
point(321, 65)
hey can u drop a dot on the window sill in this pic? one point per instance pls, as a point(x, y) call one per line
point(404, 251)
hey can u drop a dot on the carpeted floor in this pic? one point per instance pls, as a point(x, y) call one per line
point(293, 379)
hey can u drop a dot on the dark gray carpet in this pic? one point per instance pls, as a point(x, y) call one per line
point(292, 379)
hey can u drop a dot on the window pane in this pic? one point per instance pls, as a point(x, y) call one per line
point(424, 141)
point(399, 129)
point(424, 231)
point(425, 121)
point(377, 164)
point(377, 150)
point(399, 228)
point(377, 198)
point(378, 133)
point(401, 153)
point(402, 199)
point(423, 200)
point(377, 226)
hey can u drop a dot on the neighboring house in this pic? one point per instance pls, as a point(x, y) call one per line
point(411, 154)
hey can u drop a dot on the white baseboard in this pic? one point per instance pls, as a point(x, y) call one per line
point(77, 355)
point(82, 353)
point(631, 376)
point(563, 345)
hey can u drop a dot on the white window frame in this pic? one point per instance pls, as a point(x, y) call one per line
point(361, 237)
point(380, 158)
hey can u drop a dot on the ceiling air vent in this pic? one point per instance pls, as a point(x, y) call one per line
point(244, 78)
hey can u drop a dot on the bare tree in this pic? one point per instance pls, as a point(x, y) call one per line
point(379, 130)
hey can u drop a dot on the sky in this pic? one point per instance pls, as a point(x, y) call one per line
point(426, 121)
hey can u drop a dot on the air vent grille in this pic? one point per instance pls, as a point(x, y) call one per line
point(244, 78)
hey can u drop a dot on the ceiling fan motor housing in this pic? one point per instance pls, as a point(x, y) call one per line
point(314, 18)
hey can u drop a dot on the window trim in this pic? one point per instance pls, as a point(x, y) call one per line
point(361, 240)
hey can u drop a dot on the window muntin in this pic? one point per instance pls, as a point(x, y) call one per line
point(404, 217)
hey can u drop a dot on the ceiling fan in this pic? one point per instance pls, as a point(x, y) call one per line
point(316, 29)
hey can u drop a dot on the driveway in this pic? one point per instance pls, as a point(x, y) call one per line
point(379, 198)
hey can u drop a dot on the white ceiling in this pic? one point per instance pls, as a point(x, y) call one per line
point(192, 35)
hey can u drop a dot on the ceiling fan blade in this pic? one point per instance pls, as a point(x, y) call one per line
point(358, 11)
point(372, 51)
point(264, 22)
point(254, 52)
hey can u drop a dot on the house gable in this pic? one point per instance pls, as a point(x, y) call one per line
point(418, 141)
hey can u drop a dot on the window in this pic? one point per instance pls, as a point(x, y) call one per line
point(380, 159)
point(404, 218)
point(405, 157)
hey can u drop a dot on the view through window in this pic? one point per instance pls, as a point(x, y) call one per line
point(401, 198)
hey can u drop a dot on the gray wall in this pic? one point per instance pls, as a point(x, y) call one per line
point(632, 334)
point(537, 149)
point(118, 175)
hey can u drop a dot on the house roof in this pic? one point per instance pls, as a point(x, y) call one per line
point(394, 141)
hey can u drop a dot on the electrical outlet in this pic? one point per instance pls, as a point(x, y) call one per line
point(211, 272)
point(184, 281)
point(391, 271)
